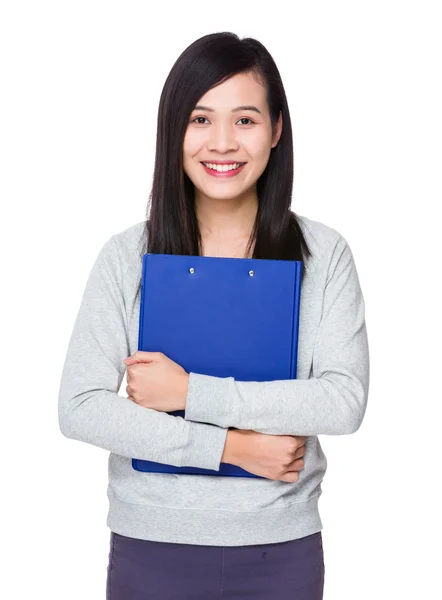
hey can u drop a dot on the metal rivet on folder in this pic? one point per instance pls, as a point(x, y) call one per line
point(191, 270)
point(251, 273)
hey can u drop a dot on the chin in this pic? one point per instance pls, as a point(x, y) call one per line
point(222, 195)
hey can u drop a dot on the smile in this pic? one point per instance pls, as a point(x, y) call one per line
point(228, 170)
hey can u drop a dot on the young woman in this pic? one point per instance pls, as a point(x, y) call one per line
point(222, 187)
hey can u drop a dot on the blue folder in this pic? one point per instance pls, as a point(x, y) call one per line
point(225, 317)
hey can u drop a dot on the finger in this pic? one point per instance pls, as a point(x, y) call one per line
point(141, 356)
point(301, 438)
point(296, 465)
point(290, 477)
point(128, 361)
point(131, 361)
point(299, 452)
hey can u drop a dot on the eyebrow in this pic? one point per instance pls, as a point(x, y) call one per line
point(237, 109)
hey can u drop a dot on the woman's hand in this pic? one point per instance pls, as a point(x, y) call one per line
point(277, 457)
point(155, 381)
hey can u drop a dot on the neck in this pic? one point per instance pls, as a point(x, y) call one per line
point(226, 219)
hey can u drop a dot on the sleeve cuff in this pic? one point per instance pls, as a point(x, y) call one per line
point(205, 446)
point(207, 399)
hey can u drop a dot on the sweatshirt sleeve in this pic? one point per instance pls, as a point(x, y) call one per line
point(332, 401)
point(89, 407)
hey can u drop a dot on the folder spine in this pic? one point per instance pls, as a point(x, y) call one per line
point(143, 276)
point(295, 323)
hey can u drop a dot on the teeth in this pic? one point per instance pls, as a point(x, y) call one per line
point(222, 168)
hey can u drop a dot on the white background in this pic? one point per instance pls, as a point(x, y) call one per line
point(80, 89)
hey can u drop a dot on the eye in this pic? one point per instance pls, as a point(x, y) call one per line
point(193, 121)
point(204, 118)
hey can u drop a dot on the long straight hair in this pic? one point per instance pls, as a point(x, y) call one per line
point(171, 225)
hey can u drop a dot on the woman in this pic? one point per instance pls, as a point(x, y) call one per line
point(196, 536)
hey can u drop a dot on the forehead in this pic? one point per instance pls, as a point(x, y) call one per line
point(243, 88)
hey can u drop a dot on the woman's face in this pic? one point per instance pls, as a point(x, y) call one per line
point(227, 129)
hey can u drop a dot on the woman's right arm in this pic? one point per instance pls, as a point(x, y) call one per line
point(89, 406)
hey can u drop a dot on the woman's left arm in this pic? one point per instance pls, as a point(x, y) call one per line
point(333, 401)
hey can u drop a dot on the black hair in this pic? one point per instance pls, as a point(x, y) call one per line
point(171, 225)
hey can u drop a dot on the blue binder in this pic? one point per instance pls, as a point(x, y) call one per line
point(225, 317)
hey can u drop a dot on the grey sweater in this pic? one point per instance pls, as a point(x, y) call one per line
point(329, 397)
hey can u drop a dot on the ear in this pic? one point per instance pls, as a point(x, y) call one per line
point(278, 131)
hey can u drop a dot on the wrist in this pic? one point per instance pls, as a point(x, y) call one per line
point(231, 450)
point(184, 391)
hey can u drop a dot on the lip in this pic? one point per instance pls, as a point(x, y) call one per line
point(223, 162)
point(230, 173)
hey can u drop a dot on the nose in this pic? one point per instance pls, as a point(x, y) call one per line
point(222, 138)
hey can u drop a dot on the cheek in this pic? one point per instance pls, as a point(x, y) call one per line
point(192, 144)
point(187, 155)
point(258, 146)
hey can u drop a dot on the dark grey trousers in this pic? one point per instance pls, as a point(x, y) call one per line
point(148, 570)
